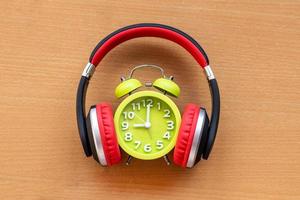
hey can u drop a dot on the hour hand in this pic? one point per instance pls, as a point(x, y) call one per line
point(138, 125)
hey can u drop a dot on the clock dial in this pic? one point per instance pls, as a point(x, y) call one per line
point(147, 124)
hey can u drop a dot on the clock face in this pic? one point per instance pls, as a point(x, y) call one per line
point(147, 124)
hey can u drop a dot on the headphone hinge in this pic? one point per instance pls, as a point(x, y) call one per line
point(88, 70)
point(209, 73)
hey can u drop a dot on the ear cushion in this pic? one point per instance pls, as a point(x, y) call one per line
point(186, 134)
point(108, 133)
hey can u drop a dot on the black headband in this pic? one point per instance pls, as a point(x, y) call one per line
point(147, 30)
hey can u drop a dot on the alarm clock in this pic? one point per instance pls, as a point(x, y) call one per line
point(147, 124)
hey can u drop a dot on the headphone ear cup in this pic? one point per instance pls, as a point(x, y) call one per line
point(199, 140)
point(91, 117)
point(102, 135)
point(186, 134)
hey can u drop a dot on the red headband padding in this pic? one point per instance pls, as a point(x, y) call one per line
point(148, 32)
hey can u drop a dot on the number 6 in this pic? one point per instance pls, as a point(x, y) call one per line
point(147, 148)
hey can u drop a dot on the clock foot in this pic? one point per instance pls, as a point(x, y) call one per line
point(166, 158)
point(128, 160)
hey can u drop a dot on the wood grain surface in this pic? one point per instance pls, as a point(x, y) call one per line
point(253, 47)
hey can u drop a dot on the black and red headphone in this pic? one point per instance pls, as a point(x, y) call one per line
point(193, 144)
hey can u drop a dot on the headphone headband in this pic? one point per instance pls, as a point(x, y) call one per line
point(147, 30)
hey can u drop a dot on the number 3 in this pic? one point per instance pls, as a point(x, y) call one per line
point(170, 125)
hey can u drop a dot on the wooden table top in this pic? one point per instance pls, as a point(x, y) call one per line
point(254, 51)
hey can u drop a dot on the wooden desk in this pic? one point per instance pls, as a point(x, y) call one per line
point(254, 50)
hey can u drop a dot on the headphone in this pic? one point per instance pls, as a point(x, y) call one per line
point(196, 133)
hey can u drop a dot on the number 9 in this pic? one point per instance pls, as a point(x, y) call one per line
point(125, 125)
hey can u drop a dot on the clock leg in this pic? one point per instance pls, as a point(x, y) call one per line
point(167, 160)
point(128, 160)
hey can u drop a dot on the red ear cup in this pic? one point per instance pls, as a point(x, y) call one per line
point(102, 136)
point(186, 135)
point(199, 139)
point(108, 134)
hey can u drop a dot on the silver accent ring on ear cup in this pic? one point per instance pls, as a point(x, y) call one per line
point(97, 137)
point(196, 139)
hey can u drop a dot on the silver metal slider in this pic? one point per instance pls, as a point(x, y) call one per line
point(88, 70)
point(209, 73)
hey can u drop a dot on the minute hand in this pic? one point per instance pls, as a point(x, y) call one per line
point(148, 114)
point(148, 123)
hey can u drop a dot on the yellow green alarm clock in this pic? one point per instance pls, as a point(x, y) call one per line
point(147, 122)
